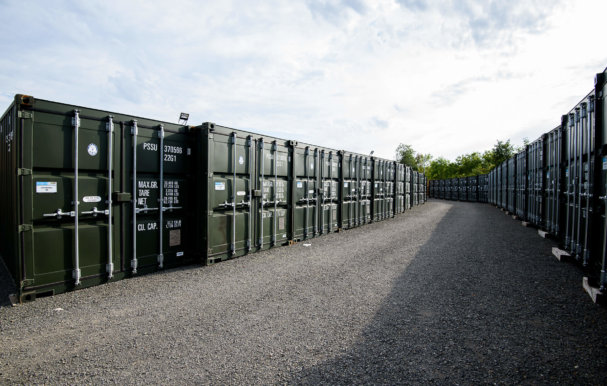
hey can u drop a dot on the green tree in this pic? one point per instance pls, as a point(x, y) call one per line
point(464, 166)
point(406, 155)
point(422, 161)
point(469, 165)
point(501, 152)
point(439, 169)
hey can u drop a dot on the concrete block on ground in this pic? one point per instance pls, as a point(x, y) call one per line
point(560, 254)
point(595, 293)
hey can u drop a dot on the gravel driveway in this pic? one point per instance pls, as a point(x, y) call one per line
point(447, 293)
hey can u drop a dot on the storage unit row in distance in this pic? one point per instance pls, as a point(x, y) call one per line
point(558, 183)
point(473, 188)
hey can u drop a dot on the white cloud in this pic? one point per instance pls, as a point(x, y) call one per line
point(445, 77)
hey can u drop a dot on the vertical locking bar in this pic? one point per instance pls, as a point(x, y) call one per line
point(357, 210)
point(330, 192)
point(557, 189)
point(352, 220)
point(578, 196)
point(382, 189)
point(567, 181)
point(549, 181)
point(316, 190)
point(322, 191)
point(110, 133)
point(307, 171)
point(76, 274)
point(250, 236)
point(275, 191)
point(307, 191)
point(553, 180)
point(588, 112)
point(233, 241)
point(161, 201)
point(134, 132)
point(261, 172)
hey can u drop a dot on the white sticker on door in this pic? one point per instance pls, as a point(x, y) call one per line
point(46, 187)
point(92, 149)
point(220, 186)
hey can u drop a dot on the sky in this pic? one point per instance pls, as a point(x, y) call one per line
point(446, 77)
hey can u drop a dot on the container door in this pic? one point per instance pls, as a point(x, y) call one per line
point(74, 162)
point(231, 164)
point(365, 179)
point(272, 212)
point(306, 192)
point(161, 228)
point(587, 134)
point(350, 196)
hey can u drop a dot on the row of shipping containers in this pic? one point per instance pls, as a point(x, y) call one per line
point(473, 188)
point(90, 196)
point(558, 183)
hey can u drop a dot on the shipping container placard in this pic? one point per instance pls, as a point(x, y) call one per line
point(174, 237)
point(46, 187)
point(220, 186)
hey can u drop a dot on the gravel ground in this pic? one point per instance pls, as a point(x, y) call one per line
point(449, 293)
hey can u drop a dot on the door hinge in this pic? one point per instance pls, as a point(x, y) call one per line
point(27, 283)
point(25, 228)
point(24, 172)
point(25, 114)
point(121, 197)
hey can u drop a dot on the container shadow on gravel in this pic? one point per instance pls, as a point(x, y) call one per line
point(7, 285)
point(482, 301)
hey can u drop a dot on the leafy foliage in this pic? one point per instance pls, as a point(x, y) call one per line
point(464, 166)
point(417, 161)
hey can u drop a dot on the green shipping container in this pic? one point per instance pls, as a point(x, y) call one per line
point(316, 191)
point(90, 196)
point(244, 197)
point(356, 190)
point(400, 188)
